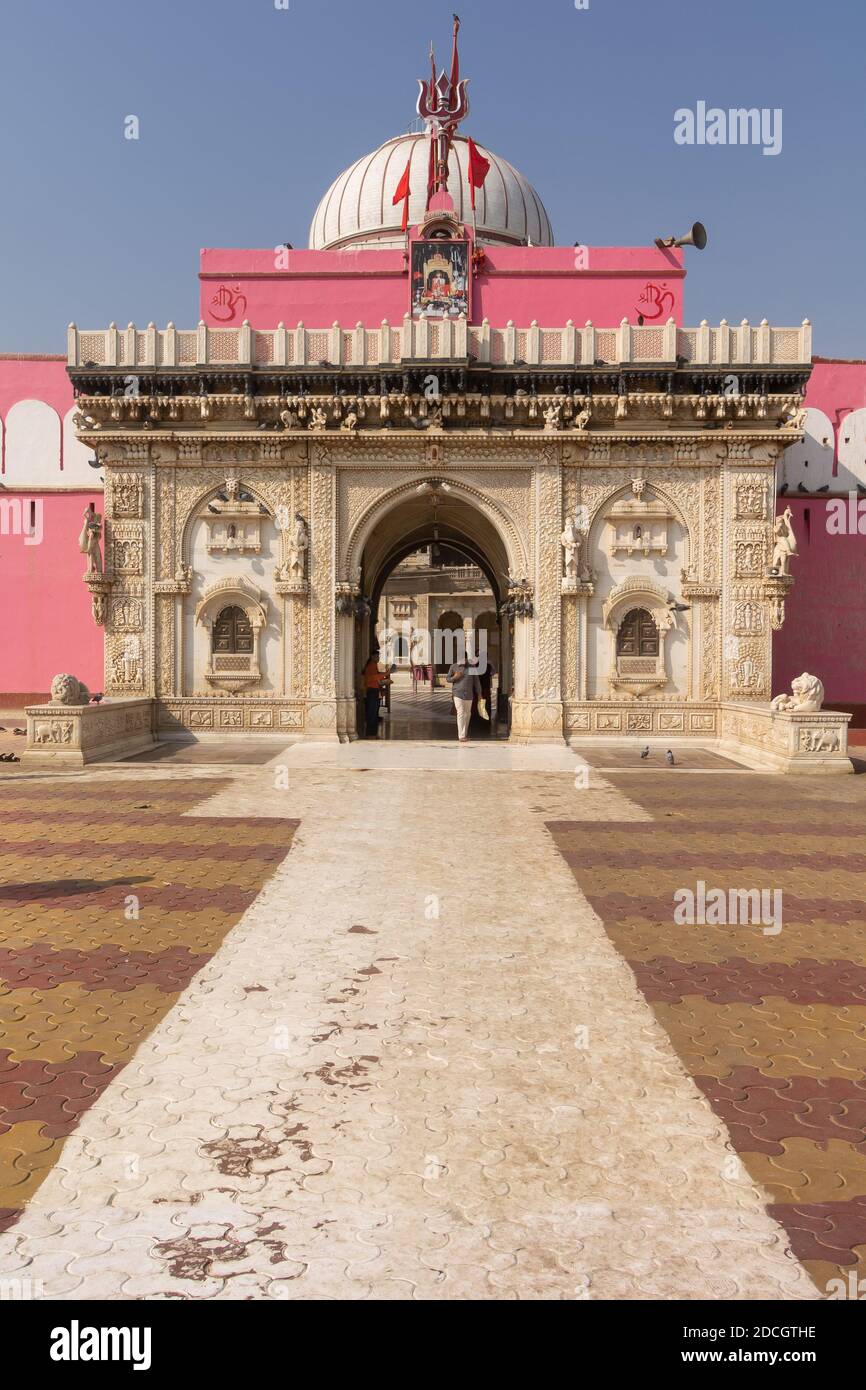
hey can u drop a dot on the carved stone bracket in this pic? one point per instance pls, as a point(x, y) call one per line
point(348, 599)
point(578, 588)
point(100, 586)
point(181, 584)
point(520, 601)
point(297, 588)
point(775, 588)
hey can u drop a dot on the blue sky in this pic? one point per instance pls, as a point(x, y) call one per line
point(247, 113)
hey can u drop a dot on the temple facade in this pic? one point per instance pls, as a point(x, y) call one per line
point(619, 500)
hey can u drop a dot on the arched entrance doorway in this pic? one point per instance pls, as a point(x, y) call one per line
point(446, 520)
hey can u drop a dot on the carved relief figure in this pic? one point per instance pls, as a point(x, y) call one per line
point(88, 541)
point(126, 614)
point(127, 495)
point(126, 663)
point(751, 497)
point(819, 741)
point(298, 547)
point(570, 542)
point(52, 731)
point(784, 543)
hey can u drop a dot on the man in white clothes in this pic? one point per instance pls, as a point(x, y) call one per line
point(464, 685)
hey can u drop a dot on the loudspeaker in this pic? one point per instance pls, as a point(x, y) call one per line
point(697, 237)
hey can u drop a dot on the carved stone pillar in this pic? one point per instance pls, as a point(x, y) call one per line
point(747, 635)
point(321, 719)
point(537, 710)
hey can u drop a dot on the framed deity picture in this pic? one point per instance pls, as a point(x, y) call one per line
point(441, 279)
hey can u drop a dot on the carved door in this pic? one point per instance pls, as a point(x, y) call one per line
point(233, 632)
point(638, 635)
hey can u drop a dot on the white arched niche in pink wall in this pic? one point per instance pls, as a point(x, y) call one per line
point(852, 451)
point(76, 458)
point(811, 461)
point(32, 446)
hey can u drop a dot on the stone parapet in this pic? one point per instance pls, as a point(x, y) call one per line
point(60, 735)
point(413, 340)
point(808, 741)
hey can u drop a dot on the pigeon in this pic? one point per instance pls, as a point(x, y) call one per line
point(645, 752)
point(783, 489)
point(825, 488)
point(19, 731)
point(669, 758)
point(215, 510)
point(801, 487)
point(861, 489)
point(680, 607)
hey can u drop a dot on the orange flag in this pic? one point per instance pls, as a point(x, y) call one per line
point(479, 168)
point(403, 192)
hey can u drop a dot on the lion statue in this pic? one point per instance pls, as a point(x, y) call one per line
point(807, 694)
point(68, 690)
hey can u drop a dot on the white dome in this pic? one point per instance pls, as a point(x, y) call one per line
point(358, 209)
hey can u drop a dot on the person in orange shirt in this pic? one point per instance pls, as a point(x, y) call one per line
point(372, 680)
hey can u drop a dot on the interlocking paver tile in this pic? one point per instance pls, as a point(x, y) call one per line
point(772, 1027)
point(80, 985)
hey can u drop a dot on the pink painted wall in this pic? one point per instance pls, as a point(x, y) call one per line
point(45, 620)
point(825, 619)
point(47, 626)
point(837, 387)
point(34, 378)
point(518, 283)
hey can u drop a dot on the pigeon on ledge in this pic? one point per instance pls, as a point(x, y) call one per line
point(645, 752)
point(669, 758)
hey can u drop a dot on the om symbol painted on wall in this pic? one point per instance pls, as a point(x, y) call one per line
point(228, 303)
point(655, 300)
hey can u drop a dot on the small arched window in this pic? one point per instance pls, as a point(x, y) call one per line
point(232, 632)
point(638, 635)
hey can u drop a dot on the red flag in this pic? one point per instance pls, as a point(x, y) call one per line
point(479, 168)
point(403, 192)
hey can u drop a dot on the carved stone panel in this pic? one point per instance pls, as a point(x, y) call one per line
point(127, 547)
point(750, 496)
